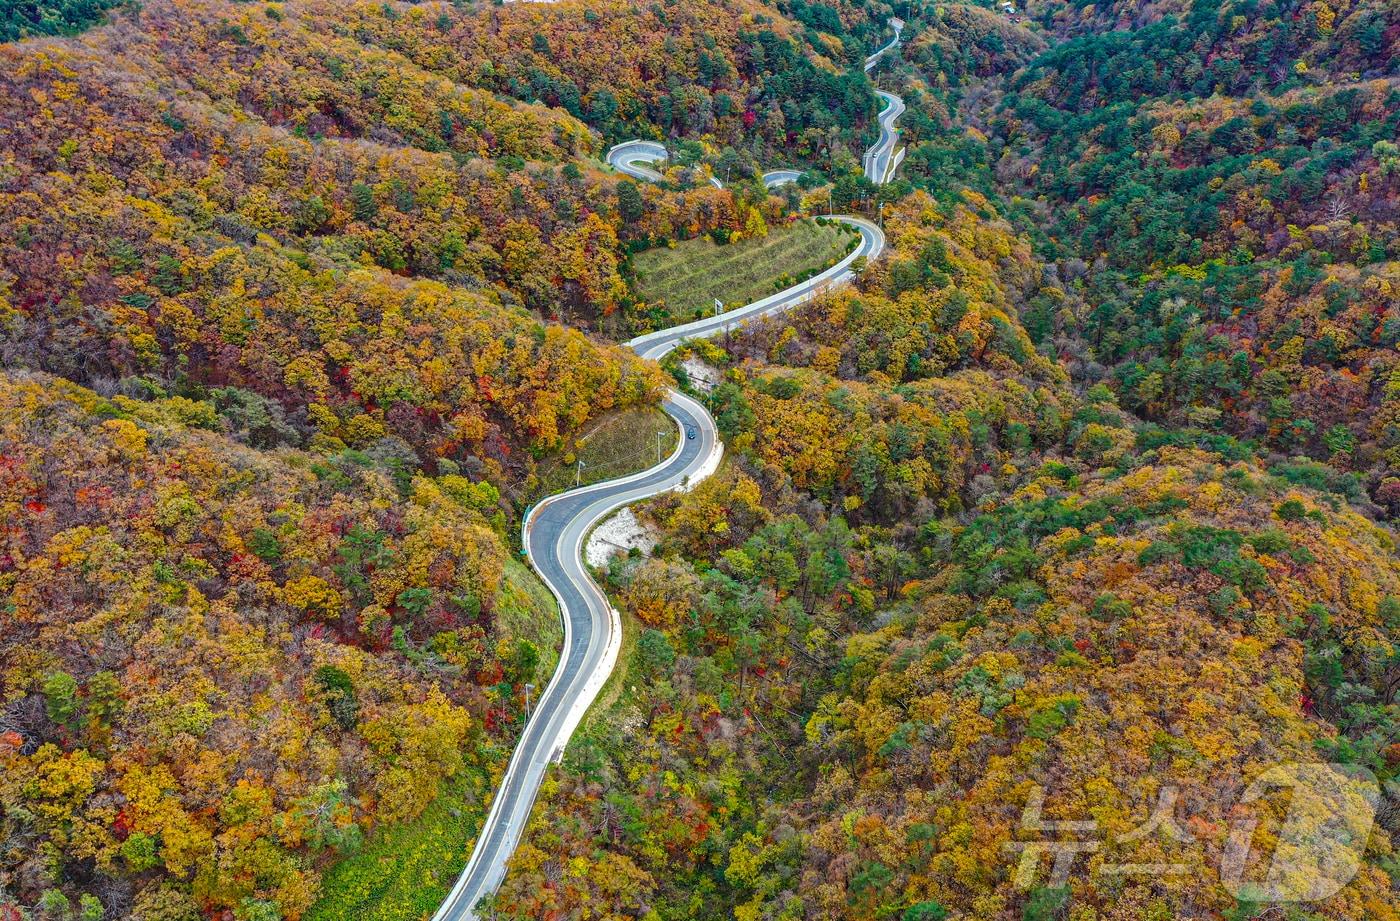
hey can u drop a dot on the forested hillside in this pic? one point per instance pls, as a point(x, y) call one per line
point(1221, 195)
point(845, 722)
point(735, 72)
point(148, 233)
point(224, 665)
point(25, 18)
point(1088, 488)
point(286, 292)
point(1088, 484)
point(934, 577)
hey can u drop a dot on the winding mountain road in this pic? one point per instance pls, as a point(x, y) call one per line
point(879, 163)
point(554, 532)
point(878, 159)
point(780, 177)
point(898, 26)
point(635, 159)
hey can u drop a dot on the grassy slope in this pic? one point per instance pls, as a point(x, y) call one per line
point(620, 443)
point(404, 871)
point(691, 275)
point(525, 608)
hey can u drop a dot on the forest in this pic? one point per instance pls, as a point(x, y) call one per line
point(25, 18)
point(1088, 485)
point(1216, 191)
point(1085, 487)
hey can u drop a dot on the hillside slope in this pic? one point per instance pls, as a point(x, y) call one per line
point(222, 666)
point(933, 580)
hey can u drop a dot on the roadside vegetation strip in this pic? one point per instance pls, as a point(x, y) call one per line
point(527, 610)
point(689, 276)
point(402, 870)
point(622, 442)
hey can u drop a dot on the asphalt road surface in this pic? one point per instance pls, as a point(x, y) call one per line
point(637, 158)
point(554, 532)
point(877, 158)
point(780, 177)
point(870, 62)
point(634, 157)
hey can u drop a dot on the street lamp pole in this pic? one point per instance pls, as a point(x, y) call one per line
point(528, 688)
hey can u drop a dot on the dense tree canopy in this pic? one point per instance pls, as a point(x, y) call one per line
point(1087, 486)
point(26, 18)
point(1222, 217)
point(222, 665)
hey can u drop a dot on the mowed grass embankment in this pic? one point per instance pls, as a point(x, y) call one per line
point(689, 276)
point(526, 609)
